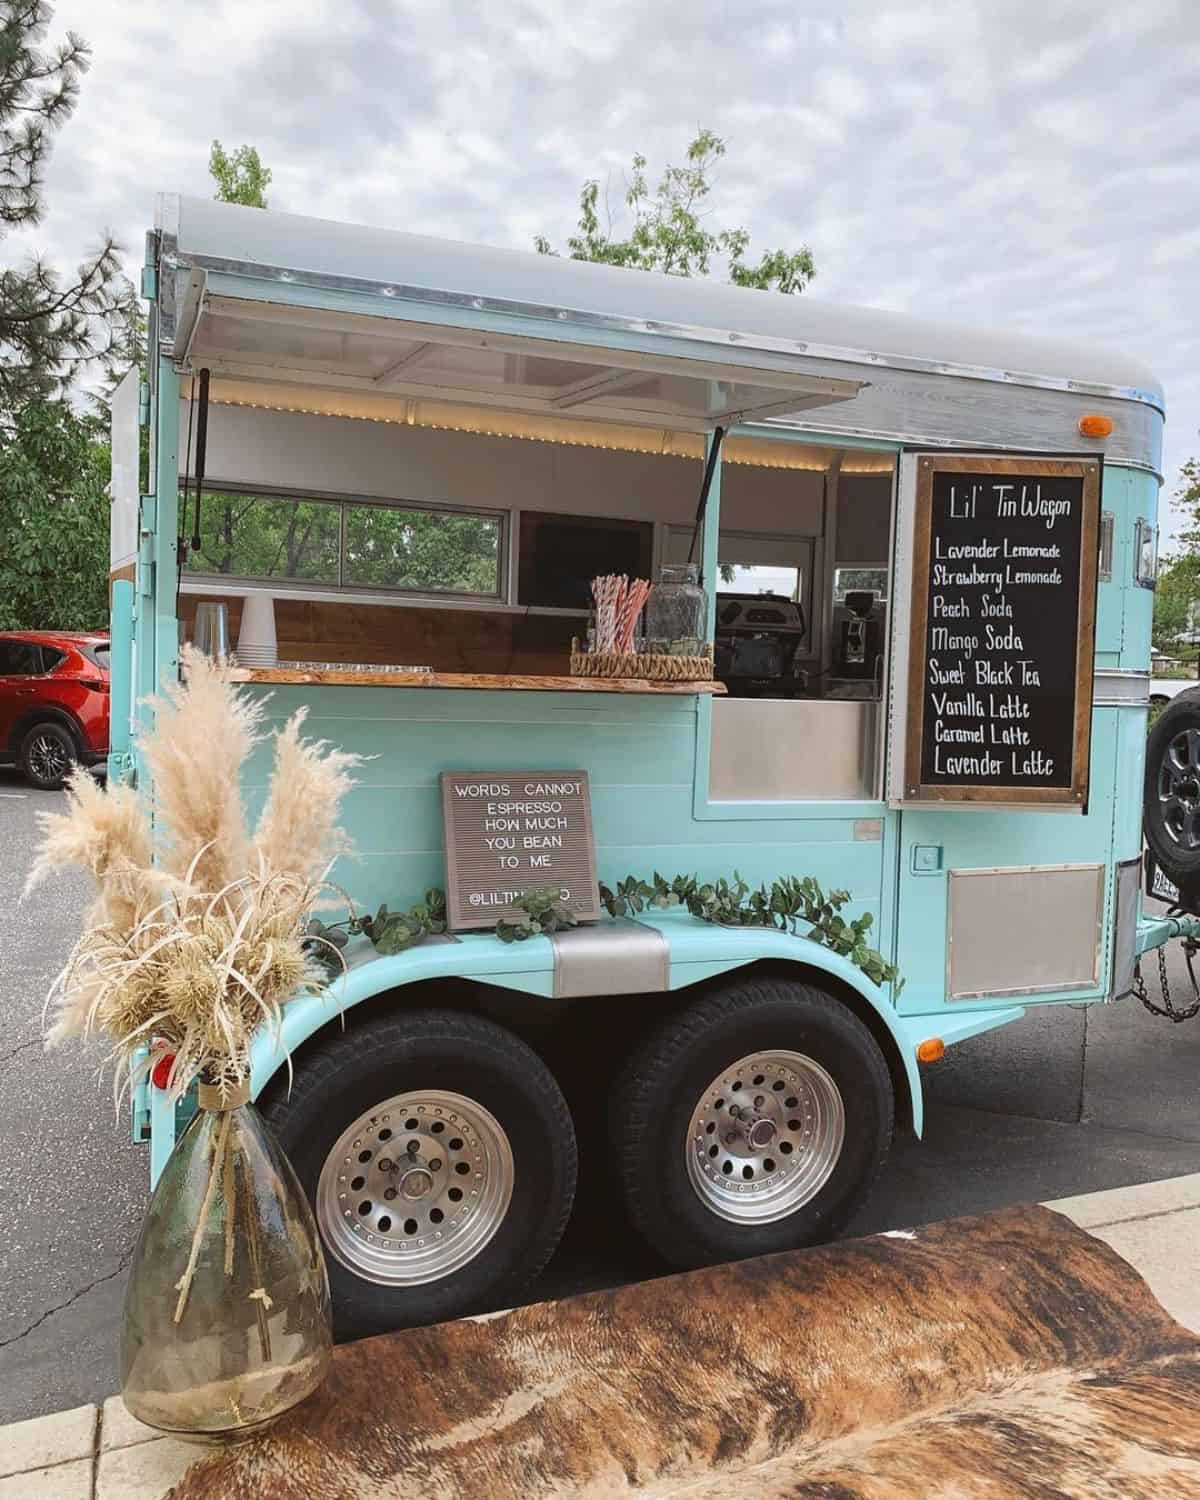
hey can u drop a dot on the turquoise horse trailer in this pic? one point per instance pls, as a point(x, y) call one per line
point(926, 557)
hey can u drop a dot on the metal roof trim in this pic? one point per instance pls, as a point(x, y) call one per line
point(310, 254)
point(434, 297)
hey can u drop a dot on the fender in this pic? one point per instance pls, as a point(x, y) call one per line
point(695, 950)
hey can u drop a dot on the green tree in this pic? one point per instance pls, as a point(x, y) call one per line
point(51, 326)
point(54, 519)
point(1187, 500)
point(1175, 598)
point(239, 175)
point(1177, 594)
point(667, 231)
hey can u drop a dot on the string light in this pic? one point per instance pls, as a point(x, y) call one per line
point(763, 453)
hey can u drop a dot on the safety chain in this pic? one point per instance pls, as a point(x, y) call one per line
point(1167, 1009)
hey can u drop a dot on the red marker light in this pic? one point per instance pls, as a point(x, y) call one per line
point(161, 1073)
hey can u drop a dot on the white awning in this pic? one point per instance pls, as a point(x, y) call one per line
point(269, 342)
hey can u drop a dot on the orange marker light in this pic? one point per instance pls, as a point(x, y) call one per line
point(932, 1050)
point(1094, 425)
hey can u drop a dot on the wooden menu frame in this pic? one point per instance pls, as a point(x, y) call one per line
point(1085, 468)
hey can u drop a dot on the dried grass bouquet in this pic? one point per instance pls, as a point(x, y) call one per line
point(197, 935)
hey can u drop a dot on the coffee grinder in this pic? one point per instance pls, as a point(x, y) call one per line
point(861, 638)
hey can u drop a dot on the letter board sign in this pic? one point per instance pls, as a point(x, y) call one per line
point(1001, 646)
point(508, 832)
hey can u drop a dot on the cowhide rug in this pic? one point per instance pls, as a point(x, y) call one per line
point(1004, 1357)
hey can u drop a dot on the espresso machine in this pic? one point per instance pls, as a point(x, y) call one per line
point(760, 639)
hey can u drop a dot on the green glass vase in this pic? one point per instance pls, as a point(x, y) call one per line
point(227, 1320)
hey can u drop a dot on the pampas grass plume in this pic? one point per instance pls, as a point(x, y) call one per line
point(196, 937)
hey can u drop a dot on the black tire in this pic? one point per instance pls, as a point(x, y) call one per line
point(48, 753)
point(1171, 804)
point(464, 1054)
point(669, 1077)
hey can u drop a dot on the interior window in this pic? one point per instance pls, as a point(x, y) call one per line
point(424, 550)
point(266, 536)
point(763, 632)
point(20, 659)
point(753, 563)
point(344, 543)
point(763, 578)
point(853, 579)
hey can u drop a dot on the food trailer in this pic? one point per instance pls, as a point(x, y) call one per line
point(926, 558)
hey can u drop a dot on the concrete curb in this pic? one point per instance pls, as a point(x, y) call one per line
point(92, 1453)
point(1155, 1227)
point(89, 1453)
point(1146, 1200)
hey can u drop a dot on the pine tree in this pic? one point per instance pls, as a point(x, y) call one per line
point(51, 326)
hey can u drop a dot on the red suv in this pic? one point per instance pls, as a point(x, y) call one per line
point(53, 701)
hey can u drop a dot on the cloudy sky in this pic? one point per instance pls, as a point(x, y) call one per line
point(1029, 163)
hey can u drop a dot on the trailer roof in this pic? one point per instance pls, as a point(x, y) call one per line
point(296, 249)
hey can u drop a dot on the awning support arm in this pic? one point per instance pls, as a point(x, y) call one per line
point(201, 455)
point(714, 452)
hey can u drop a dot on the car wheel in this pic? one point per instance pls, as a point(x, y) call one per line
point(1171, 810)
point(755, 1121)
point(439, 1156)
point(47, 755)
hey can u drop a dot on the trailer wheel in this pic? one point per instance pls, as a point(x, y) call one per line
point(1171, 811)
point(755, 1121)
point(439, 1156)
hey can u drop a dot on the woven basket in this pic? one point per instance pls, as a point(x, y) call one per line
point(648, 666)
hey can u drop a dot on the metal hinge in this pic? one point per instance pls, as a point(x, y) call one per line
point(122, 767)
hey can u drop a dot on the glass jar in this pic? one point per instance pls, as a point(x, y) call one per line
point(226, 1323)
point(676, 619)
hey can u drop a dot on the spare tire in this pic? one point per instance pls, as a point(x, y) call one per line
point(1171, 811)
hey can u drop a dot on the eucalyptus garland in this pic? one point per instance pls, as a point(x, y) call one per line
point(793, 904)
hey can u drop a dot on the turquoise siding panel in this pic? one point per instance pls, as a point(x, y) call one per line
point(397, 819)
point(977, 839)
point(639, 752)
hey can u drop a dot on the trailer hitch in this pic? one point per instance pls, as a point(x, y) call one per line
point(1188, 929)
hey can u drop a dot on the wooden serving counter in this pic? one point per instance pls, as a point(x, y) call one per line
point(331, 677)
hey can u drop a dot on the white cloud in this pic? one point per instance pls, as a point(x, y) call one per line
point(1027, 164)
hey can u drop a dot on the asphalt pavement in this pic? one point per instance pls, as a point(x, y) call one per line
point(1066, 1101)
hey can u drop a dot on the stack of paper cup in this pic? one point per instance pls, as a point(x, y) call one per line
point(256, 645)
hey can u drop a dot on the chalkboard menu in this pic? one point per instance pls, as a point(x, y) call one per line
point(510, 832)
point(1005, 555)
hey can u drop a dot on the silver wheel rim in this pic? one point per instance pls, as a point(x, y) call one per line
point(47, 758)
point(1179, 789)
point(415, 1188)
point(765, 1137)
